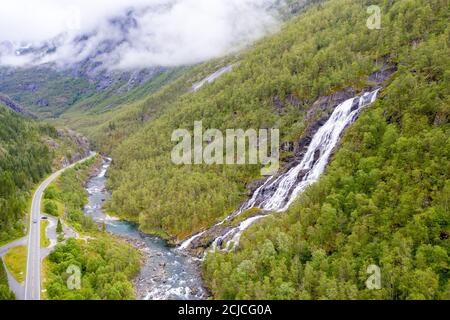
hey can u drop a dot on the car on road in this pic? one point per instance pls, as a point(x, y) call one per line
point(35, 221)
point(44, 218)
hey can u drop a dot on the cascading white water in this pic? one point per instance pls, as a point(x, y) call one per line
point(212, 77)
point(324, 141)
point(188, 242)
point(277, 194)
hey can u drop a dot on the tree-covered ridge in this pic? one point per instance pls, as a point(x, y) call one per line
point(385, 197)
point(41, 90)
point(106, 265)
point(24, 160)
point(323, 50)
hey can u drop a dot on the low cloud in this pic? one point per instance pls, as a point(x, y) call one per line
point(138, 34)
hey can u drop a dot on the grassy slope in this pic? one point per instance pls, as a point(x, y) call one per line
point(44, 240)
point(108, 128)
point(16, 262)
point(100, 102)
point(50, 94)
point(27, 86)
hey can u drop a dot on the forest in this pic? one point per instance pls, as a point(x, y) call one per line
point(384, 199)
point(24, 160)
point(323, 50)
point(107, 263)
point(66, 197)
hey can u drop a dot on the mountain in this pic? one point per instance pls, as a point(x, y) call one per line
point(78, 71)
point(381, 200)
point(49, 87)
point(89, 62)
point(5, 100)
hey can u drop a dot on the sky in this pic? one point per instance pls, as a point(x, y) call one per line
point(168, 32)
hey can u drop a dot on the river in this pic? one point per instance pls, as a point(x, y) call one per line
point(167, 273)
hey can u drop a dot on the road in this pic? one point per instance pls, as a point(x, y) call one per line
point(15, 286)
point(33, 277)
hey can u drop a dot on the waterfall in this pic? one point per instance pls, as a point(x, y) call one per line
point(278, 193)
point(324, 141)
point(212, 77)
point(188, 242)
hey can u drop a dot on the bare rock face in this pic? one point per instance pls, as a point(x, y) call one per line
point(321, 110)
point(287, 147)
point(254, 185)
point(279, 105)
point(80, 146)
point(43, 102)
point(15, 107)
point(327, 104)
point(206, 240)
point(380, 76)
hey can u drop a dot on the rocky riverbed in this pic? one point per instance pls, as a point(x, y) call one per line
point(166, 273)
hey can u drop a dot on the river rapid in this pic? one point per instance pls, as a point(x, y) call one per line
point(167, 273)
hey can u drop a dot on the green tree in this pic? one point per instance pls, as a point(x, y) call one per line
point(59, 227)
point(50, 207)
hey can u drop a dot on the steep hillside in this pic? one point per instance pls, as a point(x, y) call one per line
point(108, 129)
point(108, 124)
point(275, 83)
point(28, 151)
point(384, 199)
point(42, 90)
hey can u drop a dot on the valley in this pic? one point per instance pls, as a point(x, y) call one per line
point(364, 171)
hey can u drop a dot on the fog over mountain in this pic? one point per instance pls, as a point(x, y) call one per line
point(135, 34)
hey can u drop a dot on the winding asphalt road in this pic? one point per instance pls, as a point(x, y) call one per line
point(15, 286)
point(33, 277)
